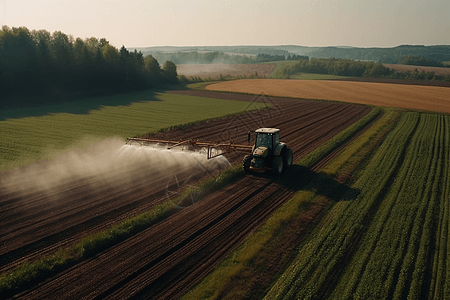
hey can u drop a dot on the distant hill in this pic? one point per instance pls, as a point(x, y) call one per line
point(384, 55)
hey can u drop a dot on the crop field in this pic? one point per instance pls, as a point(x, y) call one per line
point(187, 240)
point(391, 243)
point(429, 98)
point(27, 139)
point(216, 70)
point(362, 213)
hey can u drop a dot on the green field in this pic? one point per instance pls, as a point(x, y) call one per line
point(391, 242)
point(27, 135)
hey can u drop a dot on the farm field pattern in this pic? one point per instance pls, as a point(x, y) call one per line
point(388, 242)
point(380, 94)
point(391, 243)
point(194, 239)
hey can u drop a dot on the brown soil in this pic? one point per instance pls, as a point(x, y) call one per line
point(167, 259)
point(215, 70)
point(429, 98)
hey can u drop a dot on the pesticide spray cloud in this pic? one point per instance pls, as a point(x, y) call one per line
point(110, 163)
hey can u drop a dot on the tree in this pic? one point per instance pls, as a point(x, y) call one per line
point(170, 72)
point(153, 70)
point(38, 62)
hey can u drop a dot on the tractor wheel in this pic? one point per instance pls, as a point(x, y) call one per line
point(246, 163)
point(287, 157)
point(277, 165)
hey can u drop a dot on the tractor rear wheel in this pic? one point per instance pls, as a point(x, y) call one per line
point(246, 163)
point(277, 165)
point(287, 157)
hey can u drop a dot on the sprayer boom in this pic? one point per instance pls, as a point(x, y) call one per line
point(212, 149)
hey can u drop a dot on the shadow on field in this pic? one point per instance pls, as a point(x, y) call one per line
point(300, 178)
point(14, 108)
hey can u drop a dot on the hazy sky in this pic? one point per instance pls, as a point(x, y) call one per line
point(134, 23)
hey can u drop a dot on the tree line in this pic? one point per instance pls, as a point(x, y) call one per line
point(268, 57)
point(211, 57)
point(439, 53)
point(352, 68)
point(419, 61)
point(40, 63)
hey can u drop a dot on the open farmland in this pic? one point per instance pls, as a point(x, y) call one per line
point(154, 262)
point(216, 70)
point(52, 129)
point(429, 98)
point(332, 226)
point(408, 68)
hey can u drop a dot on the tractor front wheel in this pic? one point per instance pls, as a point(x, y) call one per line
point(246, 163)
point(277, 165)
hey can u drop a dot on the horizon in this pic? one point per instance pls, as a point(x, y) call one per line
point(171, 23)
point(283, 45)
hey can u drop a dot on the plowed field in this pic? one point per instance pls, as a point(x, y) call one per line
point(215, 70)
point(168, 258)
point(429, 98)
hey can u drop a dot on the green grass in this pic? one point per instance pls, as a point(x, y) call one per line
point(54, 128)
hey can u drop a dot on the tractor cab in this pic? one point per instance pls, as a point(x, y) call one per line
point(267, 137)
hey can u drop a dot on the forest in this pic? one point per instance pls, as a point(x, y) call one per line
point(56, 65)
point(352, 68)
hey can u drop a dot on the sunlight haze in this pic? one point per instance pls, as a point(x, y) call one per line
point(139, 23)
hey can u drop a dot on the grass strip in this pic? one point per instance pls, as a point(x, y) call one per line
point(29, 274)
point(319, 153)
point(236, 275)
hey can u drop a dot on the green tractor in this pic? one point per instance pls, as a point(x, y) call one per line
point(268, 152)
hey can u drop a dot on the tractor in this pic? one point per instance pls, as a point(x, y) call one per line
point(268, 152)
